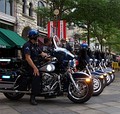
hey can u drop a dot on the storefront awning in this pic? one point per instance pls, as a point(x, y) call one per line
point(4, 44)
point(12, 38)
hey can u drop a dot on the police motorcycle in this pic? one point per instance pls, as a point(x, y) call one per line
point(99, 81)
point(57, 75)
point(103, 66)
point(97, 66)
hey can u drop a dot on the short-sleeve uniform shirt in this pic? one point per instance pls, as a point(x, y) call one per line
point(32, 49)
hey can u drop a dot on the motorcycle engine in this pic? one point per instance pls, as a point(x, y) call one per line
point(49, 82)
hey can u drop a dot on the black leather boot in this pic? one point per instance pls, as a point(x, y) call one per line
point(32, 100)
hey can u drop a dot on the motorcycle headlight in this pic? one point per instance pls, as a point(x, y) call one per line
point(50, 67)
point(110, 72)
point(88, 80)
point(113, 71)
point(102, 76)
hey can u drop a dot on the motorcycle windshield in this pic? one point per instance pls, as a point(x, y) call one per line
point(64, 54)
point(61, 53)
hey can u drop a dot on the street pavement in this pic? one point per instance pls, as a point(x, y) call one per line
point(106, 103)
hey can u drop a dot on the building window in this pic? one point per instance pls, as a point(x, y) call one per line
point(7, 6)
point(30, 9)
point(6, 26)
point(40, 18)
point(25, 32)
point(24, 6)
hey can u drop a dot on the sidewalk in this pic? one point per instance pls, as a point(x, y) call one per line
point(106, 103)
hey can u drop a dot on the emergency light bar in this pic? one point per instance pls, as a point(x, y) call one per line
point(5, 60)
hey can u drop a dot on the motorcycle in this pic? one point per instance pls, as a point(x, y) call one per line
point(100, 68)
point(84, 65)
point(57, 76)
point(99, 81)
point(104, 67)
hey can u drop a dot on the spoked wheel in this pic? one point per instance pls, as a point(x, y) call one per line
point(14, 96)
point(97, 86)
point(84, 93)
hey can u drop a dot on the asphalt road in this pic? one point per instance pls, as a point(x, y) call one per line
point(106, 103)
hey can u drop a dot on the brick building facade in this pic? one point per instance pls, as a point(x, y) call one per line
point(19, 16)
point(22, 15)
point(26, 16)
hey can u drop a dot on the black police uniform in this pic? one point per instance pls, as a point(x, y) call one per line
point(34, 51)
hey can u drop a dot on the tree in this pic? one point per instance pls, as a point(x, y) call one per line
point(107, 32)
point(87, 12)
point(64, 7)
point(99, 17)
point(96, 11)
point(107, 27)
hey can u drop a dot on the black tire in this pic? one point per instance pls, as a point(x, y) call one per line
point(109, 79)
point(98, 86)
point(84, 95)
point(113, 77)
point(105, 82)
point(14, 96)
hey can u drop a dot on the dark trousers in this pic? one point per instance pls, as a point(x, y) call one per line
point(36, 85)
point(35, 82)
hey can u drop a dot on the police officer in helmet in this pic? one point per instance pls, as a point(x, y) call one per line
point(30, 52)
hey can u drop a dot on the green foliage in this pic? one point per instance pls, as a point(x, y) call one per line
point(101, 17)
point(64, 7)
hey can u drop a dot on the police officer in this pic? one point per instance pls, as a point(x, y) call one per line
point(30, 53)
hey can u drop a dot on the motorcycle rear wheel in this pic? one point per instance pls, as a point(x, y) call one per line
point(86, 91)
point(14, 96)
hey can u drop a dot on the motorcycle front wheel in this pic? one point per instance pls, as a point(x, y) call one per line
point(113, 77)
point(84, 94)
point(14, 96)
point(98, 86)
point(109, 79)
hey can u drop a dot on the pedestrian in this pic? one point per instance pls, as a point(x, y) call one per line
point(30, 54)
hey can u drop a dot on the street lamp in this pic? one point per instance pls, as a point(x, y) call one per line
point(56, 13)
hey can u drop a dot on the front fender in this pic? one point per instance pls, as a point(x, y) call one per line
point(81, 75)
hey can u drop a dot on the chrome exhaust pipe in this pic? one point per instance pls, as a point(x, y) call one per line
point(14, 91)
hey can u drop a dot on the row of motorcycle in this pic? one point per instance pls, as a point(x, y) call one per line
point(61, 75)
point(96, 64)
point(102, 75)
